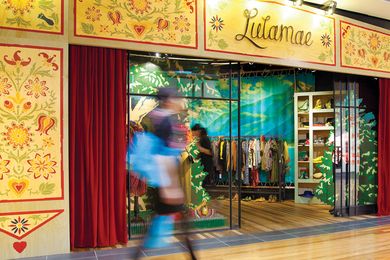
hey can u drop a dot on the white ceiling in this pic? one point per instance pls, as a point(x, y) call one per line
point(378, 8)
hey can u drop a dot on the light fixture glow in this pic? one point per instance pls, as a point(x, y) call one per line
point(158, 55)
point(297, 2)
point(330, 7)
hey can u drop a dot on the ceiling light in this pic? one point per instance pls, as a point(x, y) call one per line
point(330, 7)
point(158, 55)
point(297, 2)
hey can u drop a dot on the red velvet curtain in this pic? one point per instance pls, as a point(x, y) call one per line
point(384, 148)
point(97, 146)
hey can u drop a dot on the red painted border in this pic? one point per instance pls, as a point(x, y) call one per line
point(341, 46)
point(30, 212)
point(61, 115)
point(264, 56)
point(135, 41)
point(40, 31)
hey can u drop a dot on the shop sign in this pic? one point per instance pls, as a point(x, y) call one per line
point(170, 23)
point(363, 48)
point(269, 29)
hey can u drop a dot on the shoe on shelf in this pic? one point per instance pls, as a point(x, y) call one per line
point(318, 175)
point(261, 199)
point(221, 197)
point(318, 104)
point(247, 199)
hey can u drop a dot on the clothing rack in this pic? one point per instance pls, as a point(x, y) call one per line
point(277, 187)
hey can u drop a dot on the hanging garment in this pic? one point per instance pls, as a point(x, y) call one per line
point(258, 154)
point(254, 177)
point(275, 162)
point(266, 156)
point(228, 156)
point(234, 155)
point(215, 148)
point(245, 151)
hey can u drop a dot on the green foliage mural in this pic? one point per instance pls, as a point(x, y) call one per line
point(368, 169)
point(368, 183)
point(325, 190)
point(200, 195)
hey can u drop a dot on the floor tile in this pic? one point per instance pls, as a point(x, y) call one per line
point(89, 254)
point(277, 237)
point(209, 246)
point(244, 241)
point(164, 251)
point(235, 238)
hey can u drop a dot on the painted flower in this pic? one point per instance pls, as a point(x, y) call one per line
point(36, 88)
point(93, 14)
point(326, 41)
point(48, 142)
point(42, 166)
point(3, 167)
point(386, 56)
point(17, 60)
point(140, 6)
point(190, 5)
point(345, 31)
point(362, 53)
point(45, 123)
point(19, 225)
point(4, 86)
point(162, 24)
point(104, 28)
point(217, 23)
point(374, 60)
point(350, 49)
point(374, 42)
point(19, 6)
point(171, 36)
point(8, 104)
point(115, 17)
point(26, 106)
point(181, 24)
point(17, 135)
point(49, 61)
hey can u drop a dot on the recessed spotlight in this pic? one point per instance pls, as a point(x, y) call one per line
point(158, 55)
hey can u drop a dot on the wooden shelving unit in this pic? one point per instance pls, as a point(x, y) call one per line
point(310, 125)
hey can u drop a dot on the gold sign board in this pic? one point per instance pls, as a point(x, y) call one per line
point(269, 29)
point(363, 48)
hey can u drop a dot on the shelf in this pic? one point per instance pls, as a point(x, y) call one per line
point(303, 161)
point(309, 180)
point(318, 145)
point(320, 111)
point(303, 113)
point(303, 129)
point(322, 128)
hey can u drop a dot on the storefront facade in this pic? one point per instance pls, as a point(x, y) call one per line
point(34, 79)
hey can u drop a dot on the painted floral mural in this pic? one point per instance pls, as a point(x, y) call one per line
point(35, 15)
point(170, 22)
point(30, 123)
point(364, 48)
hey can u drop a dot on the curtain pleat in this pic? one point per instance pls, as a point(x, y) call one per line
point(97, 146)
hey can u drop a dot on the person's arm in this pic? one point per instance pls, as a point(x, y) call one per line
point(204, 150)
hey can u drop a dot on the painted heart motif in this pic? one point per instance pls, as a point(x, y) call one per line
point(139, 29)
point(20, 246)
point(18, 186)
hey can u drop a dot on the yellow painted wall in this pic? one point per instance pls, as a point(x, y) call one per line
point(163, 26)
point(34, 200)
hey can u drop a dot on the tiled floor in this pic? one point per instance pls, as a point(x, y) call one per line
point(229, 241)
